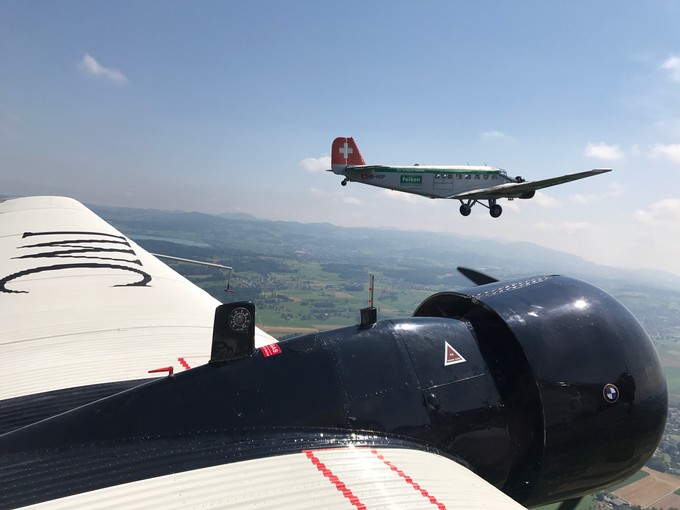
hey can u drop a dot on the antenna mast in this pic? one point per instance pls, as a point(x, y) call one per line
point(369, 315)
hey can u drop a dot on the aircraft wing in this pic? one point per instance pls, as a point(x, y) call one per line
point(84, 314)
point(339, 478)
point(81, 304)
point(515, 189)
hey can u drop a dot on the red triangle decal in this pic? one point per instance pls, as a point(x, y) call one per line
point(452, 356)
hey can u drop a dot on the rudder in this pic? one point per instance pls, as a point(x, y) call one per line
point(344, 153)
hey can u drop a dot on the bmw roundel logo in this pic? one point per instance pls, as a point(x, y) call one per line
point(611, 393)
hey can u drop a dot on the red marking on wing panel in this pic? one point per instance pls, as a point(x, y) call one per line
point(184, 363)
point(410, 481)
point(169, 370)
point(339, 484)
point(270, 350)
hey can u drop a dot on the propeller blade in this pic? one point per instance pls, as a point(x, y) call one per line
point(570, 504)
point(476, 277)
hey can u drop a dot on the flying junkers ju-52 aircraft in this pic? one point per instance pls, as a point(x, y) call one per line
point(468, 184)
point(123, 385)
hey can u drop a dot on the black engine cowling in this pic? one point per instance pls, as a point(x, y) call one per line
point(547, 387)
point(579, 362)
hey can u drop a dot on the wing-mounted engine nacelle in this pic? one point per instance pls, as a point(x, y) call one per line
point(548, 388)
point(528, 194)
point(584, 395)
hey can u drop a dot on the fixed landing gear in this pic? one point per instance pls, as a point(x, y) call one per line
point(344, 182)
point(495, 210)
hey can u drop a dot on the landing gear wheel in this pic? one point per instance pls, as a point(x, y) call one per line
point(465, 210)
point(495, 211)
point(344, 183)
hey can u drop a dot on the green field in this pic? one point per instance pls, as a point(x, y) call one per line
point(588, 503)
point(308, 295)
point(312, 298)
point(633, 478)
point(306, 278)
point(673, 382)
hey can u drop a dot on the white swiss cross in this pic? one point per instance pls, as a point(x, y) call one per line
point(346, 149)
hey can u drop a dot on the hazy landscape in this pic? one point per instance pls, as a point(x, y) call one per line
point(309, 277)
point(315, 276)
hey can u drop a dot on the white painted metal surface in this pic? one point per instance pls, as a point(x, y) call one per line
point(69, 317)
point(359, 478)
point(65, 324)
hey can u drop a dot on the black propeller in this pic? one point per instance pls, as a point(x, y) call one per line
point(569, 504)
point(476, 277)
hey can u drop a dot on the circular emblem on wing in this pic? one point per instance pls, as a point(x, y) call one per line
point(239, 319)
point(611, 393)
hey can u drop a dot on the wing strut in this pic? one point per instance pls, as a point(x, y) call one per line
point(230, 270)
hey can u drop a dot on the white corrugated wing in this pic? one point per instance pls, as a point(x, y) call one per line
point(68, 316)
point(338, 479)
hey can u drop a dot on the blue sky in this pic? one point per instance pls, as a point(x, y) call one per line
point(232, 107)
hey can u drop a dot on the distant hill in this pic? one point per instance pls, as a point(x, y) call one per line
point(305, 277)
point(407, 250)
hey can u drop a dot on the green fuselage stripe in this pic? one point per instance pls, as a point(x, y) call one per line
point(429, 170)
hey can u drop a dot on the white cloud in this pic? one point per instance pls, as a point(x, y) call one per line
point(319, 192)
point(635, 150)
point(334, 197)
point(615, 190)
point(671, 151)
point(496, 135)
point(672, 65)
point(351, 201)
point(546, 201)
point(91, 66)
point(316, 164)
point(582, 199)
point(603, 151)
point(566, 227)
point(403, 197)
point(665, 211)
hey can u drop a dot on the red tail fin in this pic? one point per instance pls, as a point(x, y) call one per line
point(345, 152)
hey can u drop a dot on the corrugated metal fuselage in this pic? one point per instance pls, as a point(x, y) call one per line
point(430, 181)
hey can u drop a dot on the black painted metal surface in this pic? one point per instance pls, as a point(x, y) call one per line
point(602, 393)
point(548, 388)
